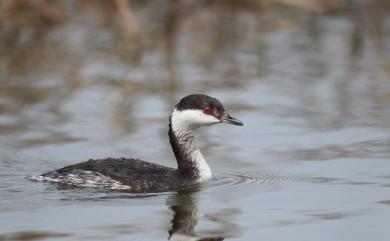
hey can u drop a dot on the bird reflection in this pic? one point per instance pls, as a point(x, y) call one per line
point(185, 218)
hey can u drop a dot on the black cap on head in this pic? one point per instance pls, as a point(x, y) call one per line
point(209, 106)
point(199, 102)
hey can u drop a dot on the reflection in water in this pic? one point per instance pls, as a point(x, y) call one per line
point(185, 211)
point(386, 202)
point(186, 216)
point(32, 235)
point(165, 49)
point(123, 119)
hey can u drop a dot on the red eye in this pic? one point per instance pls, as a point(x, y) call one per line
point(207, 110)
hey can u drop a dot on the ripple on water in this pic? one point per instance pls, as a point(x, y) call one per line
point(235, 179)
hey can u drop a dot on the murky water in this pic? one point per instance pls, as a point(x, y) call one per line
point(311, 163)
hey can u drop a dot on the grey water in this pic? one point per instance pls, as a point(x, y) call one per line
point(311, 163)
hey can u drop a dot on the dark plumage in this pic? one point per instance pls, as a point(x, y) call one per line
point(139, 175)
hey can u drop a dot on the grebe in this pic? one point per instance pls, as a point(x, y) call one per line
point(190, 113)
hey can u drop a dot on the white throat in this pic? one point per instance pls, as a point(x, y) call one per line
point(184, 125)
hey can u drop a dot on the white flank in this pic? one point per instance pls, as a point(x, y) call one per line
point(82, 178)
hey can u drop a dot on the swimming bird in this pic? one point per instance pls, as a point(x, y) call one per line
point(134, 175)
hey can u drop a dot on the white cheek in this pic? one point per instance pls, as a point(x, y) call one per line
point(192, 119)
point(201, 118)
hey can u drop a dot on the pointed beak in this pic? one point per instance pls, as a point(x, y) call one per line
point(231, 120)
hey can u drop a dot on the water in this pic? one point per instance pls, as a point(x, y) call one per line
point(311, 163)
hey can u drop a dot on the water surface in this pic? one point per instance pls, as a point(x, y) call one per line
point(311, 163)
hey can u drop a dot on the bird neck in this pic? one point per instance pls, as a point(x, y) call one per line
point(190, 160)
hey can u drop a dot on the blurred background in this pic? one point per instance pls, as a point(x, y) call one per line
point(331, 54)
point(84, 79)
